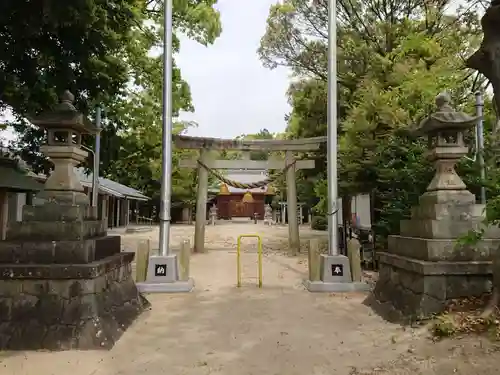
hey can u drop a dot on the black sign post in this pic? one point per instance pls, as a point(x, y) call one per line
point(160, 270)
point(337, 270)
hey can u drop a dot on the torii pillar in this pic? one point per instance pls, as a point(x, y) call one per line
point(277, 164)
point(291, 201)
point(201, 203)
point(205, 145)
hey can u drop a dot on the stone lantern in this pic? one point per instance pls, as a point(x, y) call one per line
point(445, 131)
point(65, 127)
point(76, 282)
point(424, 268)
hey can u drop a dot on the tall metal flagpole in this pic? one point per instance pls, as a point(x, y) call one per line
point(480, 142)
point(97, 157)
point(166, 159)
point(332, 129)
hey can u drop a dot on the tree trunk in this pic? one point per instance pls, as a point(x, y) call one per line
point(486, 60)
point(346, 219)
point(492, 304)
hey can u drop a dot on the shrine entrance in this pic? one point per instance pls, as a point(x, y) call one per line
point(241, 209)
point(249, 205)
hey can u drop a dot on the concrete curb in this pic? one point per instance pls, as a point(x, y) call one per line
point(328, 287)
point(175, 287)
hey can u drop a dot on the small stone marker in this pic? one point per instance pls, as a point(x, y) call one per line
point(142, 260)
point(337, 270)
point(314, 260)
point(160, 270)
point(184, 258)
point(163, 275)
point(354, 254)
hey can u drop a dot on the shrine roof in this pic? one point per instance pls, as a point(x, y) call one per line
point(106, 186)
point(15, 180)
point(110, 187)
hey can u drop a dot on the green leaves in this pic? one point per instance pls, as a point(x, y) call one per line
point(393, 58)
point(50, 47)
point(105, 52)
point(198, 20)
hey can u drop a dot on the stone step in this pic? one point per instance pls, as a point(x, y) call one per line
point(59, 252)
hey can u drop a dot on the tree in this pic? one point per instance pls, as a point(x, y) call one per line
point(485, 61)
point(254, 155)
point(104, 52)
point(91, 48)
point(262, 134)
point(393, 58)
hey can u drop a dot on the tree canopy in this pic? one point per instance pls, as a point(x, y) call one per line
point(393, 58)
point(106, 53)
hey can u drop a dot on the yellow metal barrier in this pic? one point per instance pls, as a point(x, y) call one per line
point(238, 257)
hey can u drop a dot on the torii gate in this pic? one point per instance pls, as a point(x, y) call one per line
point(205, 145)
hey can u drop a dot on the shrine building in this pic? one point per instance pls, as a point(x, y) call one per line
point(235, 202)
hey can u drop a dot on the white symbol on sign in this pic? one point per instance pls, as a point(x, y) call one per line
point(161, 270)
point(337, 270)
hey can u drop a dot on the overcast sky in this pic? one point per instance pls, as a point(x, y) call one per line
point(232, 92)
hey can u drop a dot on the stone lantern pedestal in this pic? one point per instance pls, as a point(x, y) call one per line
point(424, 267)
point(64, 283)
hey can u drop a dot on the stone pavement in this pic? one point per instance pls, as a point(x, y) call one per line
point(222, 235)
point(280, 329)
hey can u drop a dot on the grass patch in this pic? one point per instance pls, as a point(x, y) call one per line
point(464, 316)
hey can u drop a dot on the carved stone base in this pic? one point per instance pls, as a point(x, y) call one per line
point(442, 249)
point(63, 197)
point(60, 252)
point(418, 288)
point(68, 306)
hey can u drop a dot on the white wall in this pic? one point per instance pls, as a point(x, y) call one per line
point(339, 212)
point(21, 201)
point(16, 202)
point(360, 205)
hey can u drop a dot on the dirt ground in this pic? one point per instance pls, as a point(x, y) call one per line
point(280, 329)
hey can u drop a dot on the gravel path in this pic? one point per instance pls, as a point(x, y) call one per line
point(280, 329)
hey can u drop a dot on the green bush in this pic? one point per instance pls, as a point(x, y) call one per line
point(319, 223)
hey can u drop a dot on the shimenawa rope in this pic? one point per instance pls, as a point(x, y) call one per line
point(242, 185)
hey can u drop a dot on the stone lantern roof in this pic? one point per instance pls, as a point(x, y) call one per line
point(446, 118)
point(65, 116)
